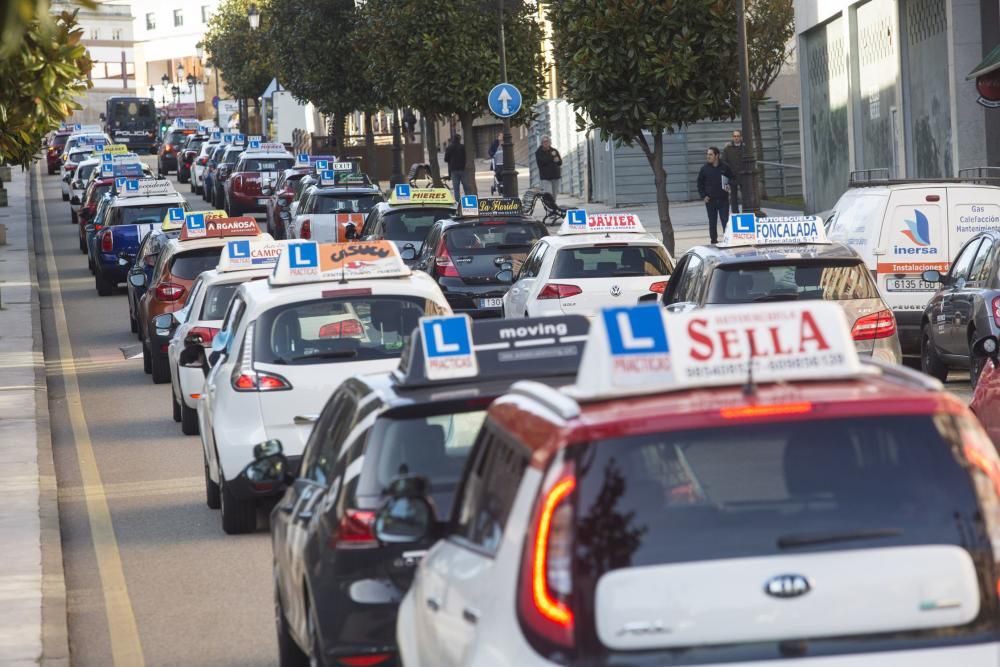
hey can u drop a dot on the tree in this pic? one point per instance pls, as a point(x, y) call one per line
point(17, 16)
point(634, 67)
point(770, 27)
point(243, 55)
point(39, 82)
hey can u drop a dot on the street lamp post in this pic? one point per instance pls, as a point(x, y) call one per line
point(208, 75)
point(509, 174)
point(254, 17)
point(748, 169)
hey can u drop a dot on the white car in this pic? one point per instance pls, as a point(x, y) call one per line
point(202, 317)
point(200, 164)
point(69, 166)
point(287, 343)
point(325, 211)
point(609, 260)
point(78, 182)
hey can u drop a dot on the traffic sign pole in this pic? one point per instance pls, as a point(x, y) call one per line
point(508, 176)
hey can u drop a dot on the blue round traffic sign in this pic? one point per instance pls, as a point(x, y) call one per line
point(504, 100)
point(215, 101)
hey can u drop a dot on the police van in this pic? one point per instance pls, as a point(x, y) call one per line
point(902, 228)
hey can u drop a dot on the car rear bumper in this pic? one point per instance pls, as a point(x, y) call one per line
point(467, 299)
point(168, 160)
point(908, 326)
point(247, 203)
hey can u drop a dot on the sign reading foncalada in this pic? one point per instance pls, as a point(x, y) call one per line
point(500, 206)
point(746, 229)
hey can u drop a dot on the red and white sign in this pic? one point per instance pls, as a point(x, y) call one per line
point(604, 223)
point(988, 87)
point(223, 227)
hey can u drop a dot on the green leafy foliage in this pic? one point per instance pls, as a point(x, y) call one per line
point(17, 15)
point(243, 55)
point(39, 82)
point(770, 27)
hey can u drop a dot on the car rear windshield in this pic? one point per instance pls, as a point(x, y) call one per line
point(775, 488)
point(267, 164)
point(608, 261)
point(76, 157)
point(828, 280)
point(232, 157)
point(217, 300)
point(143, 215)
point(411, 224)
point(334, 330)
point(345, 203)
point(434, 447)
point(178, 137)
point(189, 263)
point(491, 236)
point(84, 172)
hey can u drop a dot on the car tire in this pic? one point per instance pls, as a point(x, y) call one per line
point(239, 517)
point(212, 495)
point(83, 246)
point(133, 325)
point(73, 220)
point(176, 406)
point(159, 369)
point(189, 419)
point(975, 363)
point(65, 197)
point(104, 286)
point(316, 648)
point(147, 359)
point(289, 653)
point(930, 363)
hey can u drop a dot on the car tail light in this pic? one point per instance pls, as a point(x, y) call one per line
point(345, 329)
point(442, 261)
point(167, 148)
point(169, 291)
point(98, 226)
point(995, 307)
point(306, 231)
point(777, 410)
point(558, 291)
point(364, 660)
point(356, 531)
point(659, 287)
point(107, 241)
point(203, 161)
point(546, 576)
point(245, 378)
point(206, 333)
point(876, 325)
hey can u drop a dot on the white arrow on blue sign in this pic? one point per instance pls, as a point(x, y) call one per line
point(504, 100)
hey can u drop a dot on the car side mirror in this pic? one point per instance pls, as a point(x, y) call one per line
point(407, 516)
point(102, 117)
point(987, 347)
point(932, 276)
point(270, 465)
point(137, 279)
point(408, 253)
point(505, 276)
point(164, 321)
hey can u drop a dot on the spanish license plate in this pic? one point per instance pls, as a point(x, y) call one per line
point(909, 285)
point(122, 140)
point(490, 303)
point(262, 201)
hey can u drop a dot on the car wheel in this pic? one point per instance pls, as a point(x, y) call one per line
point(975, 362)
point(176, 406)
point(73, 220)
point(160, 369)
point(147, 359)
point(132, 324)
point(316, 657)
point(65, 197)
point(289, 653)
point(189, 419)
point(104, 286)
point(212, 497)
point(83, 245)
point(930, 363)
point(238, 516)
point(52, 172)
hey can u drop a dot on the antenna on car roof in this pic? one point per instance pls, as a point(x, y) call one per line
point(343, 275)
point(750, 388)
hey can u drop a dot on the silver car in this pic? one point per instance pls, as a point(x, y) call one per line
point(711, 276)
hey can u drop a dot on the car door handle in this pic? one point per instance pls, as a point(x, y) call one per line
point(470, 615)
point(433, 604)
point(302, 420)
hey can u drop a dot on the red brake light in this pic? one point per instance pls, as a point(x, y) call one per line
point(107, 241)
point(995, 306)
point(659, 287)
point(558, 291)
point(442, 261)
point(876, 325)
point(343, 329)
point(249, 380)
point(777, 410)
point(364, 660)
point(169, 292)
point(245, 382)
point(167, 148)
point(203, 161)
point(356, 531)
point(306, 231)
point(206, 333)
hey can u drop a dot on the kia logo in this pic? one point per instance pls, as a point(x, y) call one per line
point(787, 586)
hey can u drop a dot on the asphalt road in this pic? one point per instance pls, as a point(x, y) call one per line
point(176, 590)
point(151, 578)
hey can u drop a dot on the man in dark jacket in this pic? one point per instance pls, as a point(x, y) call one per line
point(549, 167)
point(732, 155)
point(713, 188)
point(454, 157)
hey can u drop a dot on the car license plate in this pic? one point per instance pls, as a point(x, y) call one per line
point(909, 285)
point(490, 303)
point(122, 140)
point(262, 201)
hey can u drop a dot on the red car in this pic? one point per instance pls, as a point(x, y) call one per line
point(91, 198)
point(279, 198)
point(243, 187)
point(54, 150)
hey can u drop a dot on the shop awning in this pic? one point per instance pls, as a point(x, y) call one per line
point(990, 63)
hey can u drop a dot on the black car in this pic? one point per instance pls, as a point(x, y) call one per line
point(230, 156)
point(142, 264)
point(337, 587)
point(468, 258)
point(188, 152)
point(173, 142)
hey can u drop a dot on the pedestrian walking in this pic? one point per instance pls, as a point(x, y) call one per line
point(454, 157)
point(732, 155)
point(713, 189)
point(549, 167)
point(496, 145)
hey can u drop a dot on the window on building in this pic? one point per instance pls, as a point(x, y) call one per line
point(178, 18)
point(206, 13)
point(150, 21)
point(116, 34)
point(95, 33)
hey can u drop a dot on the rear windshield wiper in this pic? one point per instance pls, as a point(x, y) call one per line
point(810, 539)
point(330, 354)
point(777, 297)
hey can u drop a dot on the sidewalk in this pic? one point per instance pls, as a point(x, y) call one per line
point(32, 590)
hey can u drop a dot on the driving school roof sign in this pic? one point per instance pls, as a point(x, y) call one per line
point(146, 187)
point(579, 222)
point(642, 349)
point(308, 261)
point(427, 196)
point(500, 206)
point(447, 346)
point(244, 254)
point(746, 229)
point(200, 226)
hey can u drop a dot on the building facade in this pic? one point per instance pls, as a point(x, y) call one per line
point(884, 86)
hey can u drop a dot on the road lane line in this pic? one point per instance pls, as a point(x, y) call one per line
point(126, 649)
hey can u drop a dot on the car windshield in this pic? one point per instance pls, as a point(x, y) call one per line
point(217, 300)
point(610, 261)
point(142, 215)
point(828, 280)
point(178, 137)
point(345, 203)
point(267, 164)
point(411, 224)
point(434, 447)
point(84, 172)
point(188, 264)
point(773, 488)
point(346, 329)
point(490, 236)
point(217, 155)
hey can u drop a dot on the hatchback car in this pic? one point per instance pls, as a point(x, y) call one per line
point(54, 150)
point(406, 222)
point(173, 143)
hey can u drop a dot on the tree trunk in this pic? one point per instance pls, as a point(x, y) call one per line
point(759, 150)
point(256, 115)
point(337, 133)
point(370, 152)
point(654, 156)
point(431, 140)
point(470, 153)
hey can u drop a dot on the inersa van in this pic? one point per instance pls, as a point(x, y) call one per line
point(902, 230)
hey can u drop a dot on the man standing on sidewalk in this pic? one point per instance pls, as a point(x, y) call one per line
point(714, 191)
point(549, 167)
point(732, 155)
point(454, 157)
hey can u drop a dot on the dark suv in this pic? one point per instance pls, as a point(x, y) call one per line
point(173, 143)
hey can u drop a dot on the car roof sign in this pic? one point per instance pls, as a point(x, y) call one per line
point(146, 187)
point(500, 349)
point(245, 254)
point(199, 225)
point(321, 165)
point(402, 193)
point(470, 205)
point(308, 261)
point(500, 207)
point(172, 224)
point(638, 350)
point(579, 222)
point(424, 197)
point(745, 229)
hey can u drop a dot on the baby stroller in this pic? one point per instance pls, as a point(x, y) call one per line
point(496, 188)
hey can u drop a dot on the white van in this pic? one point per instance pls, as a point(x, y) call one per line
point(902, 229)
